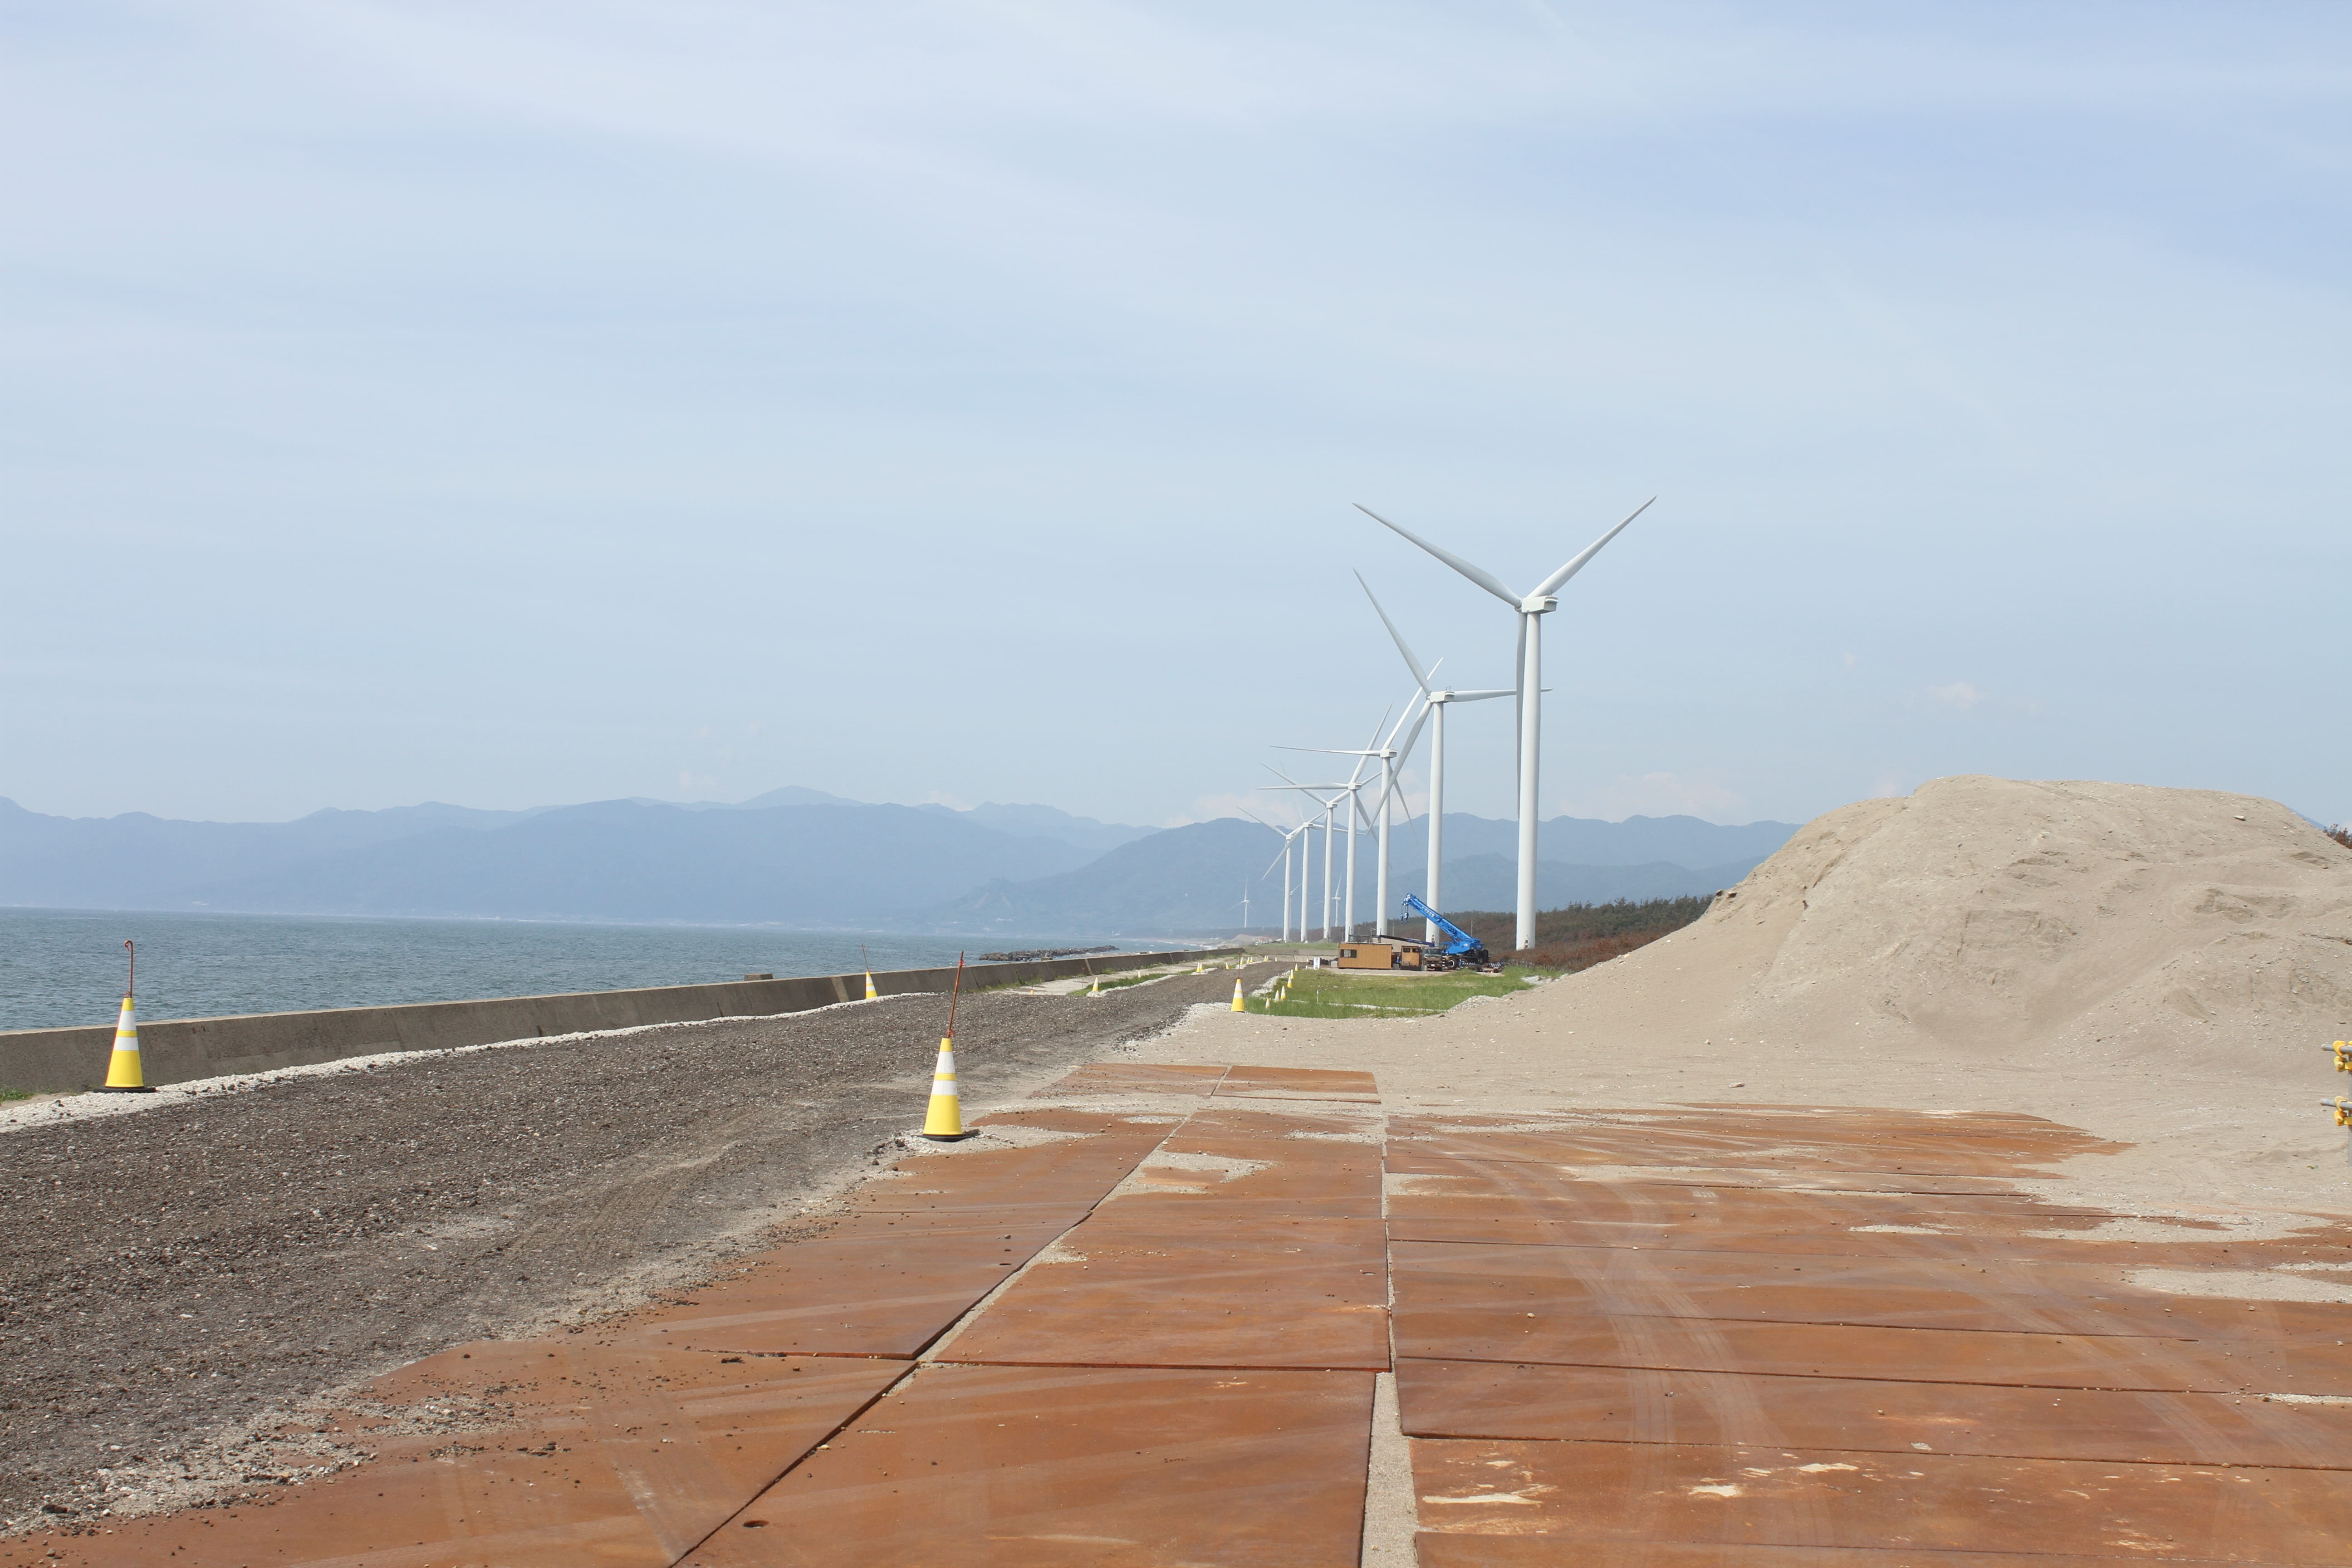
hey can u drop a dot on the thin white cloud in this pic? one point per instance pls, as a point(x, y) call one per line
point(1959, 694)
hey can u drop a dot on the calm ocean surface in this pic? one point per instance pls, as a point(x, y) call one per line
point(65, 966)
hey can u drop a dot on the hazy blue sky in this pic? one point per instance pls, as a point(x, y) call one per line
point(509, 402)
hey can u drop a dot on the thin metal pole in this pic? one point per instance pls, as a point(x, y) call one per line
point(1380, 879)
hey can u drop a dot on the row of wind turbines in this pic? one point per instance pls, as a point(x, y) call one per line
point(1428, 701)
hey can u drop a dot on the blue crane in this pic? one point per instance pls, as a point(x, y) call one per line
point(1459, 945)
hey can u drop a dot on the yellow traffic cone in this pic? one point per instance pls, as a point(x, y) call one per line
point(1096, 989)
point(1239, 1006)
point(123, 1074)
point(944, 1120)
point(1199, 969)
point(871, 992)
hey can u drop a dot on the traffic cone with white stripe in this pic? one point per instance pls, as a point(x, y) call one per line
point(870, 993)
point(1239, 1006)
point(943, 1122)
point(945, 1119)
point(124, 1074)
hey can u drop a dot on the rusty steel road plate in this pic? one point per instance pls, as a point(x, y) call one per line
point(1854, 1338)
point(1887, 1142)
point(1575, 1494)
point(1418, 1158)
point(1240, 1292)
point(1494, 1399)
point(875, 1290)
point(1543, 1552)
point(1131, 1079)
point(1045, 1466)
point(1471, 1293)
point(1259, 1245)
point(2296, 1366)
point(1299, 1083)
point(602, 1456)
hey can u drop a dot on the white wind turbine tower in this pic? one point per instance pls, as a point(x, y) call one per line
point(1307, 858)
point(1312, 792)
point(1284, 858)
point(1298, 831)
point(1531, 608)
point(1344, 790)
point(1354, 783)
point(1392, 757)
point(1438, 699)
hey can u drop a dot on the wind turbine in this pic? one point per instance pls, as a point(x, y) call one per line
point(1392, 757)
point(1346, 791)
point(1354, 783)
point(1531, 607)
point(1298, 831)
point(1437, 700)
point(1284, 858)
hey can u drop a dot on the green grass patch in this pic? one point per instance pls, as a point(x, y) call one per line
point(1337, 994)
point(8, 1093)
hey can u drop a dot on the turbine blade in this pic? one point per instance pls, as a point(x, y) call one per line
point(1479, 574)
point(1405, 750)
point(1362, 757)
point(1482, 695)
point(1411, 704)
point(1551, 583)
point(1421, 676)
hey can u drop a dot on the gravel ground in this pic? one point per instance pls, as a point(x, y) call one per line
point(173, 1279)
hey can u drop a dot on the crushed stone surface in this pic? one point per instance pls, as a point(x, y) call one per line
point(207, 1268)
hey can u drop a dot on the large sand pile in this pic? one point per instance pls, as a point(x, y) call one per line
point(2101, 923)
point(2158, 965)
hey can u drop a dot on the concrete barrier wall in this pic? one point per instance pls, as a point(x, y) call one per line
point(176, 1050)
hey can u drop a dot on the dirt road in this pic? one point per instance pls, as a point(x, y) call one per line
point(171, 1279)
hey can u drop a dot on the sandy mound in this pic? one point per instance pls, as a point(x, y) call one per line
point(2171, 928)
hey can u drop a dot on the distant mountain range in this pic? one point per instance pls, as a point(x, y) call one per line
point(801, 857)
point(1191, 880)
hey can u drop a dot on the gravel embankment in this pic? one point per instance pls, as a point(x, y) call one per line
point(172, 1276)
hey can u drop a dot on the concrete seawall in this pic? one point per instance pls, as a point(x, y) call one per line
point(176, 1050)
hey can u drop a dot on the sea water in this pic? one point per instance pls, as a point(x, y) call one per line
point(60, 967)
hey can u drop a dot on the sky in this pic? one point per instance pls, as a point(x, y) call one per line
point(510, 403)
